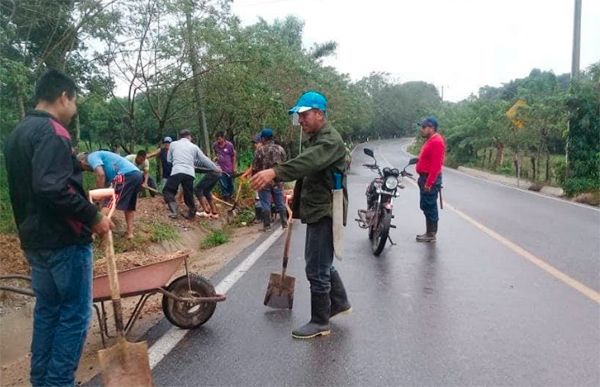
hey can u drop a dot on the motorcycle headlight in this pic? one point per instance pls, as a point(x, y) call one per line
point(391, 183)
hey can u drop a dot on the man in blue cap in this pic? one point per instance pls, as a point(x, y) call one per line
point(268, 156)
point(323, 156)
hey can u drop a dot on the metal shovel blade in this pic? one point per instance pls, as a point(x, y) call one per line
point(125, 364)
point(280, 291)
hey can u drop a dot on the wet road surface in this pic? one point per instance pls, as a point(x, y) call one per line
point(467, 310)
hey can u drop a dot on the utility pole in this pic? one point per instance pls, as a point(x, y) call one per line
point(574, 71)
point(576, 40)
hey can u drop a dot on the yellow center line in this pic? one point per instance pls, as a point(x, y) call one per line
point(539, 262)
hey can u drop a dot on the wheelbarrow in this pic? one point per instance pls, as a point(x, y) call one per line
point(188, 301)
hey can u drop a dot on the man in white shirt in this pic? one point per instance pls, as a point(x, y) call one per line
point(184, 156)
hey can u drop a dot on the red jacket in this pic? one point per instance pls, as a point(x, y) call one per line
point(431, 158)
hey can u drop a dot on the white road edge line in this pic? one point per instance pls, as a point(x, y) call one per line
point(523, 190)
point(539, 262)
point(169, 340)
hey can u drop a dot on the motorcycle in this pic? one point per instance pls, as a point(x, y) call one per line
point(377, 218)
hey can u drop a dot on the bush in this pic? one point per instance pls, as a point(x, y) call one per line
point(559, 168)
point(577, 185)
point(215, 238)
point(163, 232)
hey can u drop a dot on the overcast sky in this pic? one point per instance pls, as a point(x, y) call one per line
point(458, 44)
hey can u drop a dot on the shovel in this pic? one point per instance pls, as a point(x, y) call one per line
point(152, 190)
point(125, 363)
point(280, 290)
point(237, 196)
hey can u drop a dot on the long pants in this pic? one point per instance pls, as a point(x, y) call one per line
point(187, 182)
point(226, 184)
point(205, 186)
point(318, 254)
point(428, 200)
point(62, 282)
point(272, 194)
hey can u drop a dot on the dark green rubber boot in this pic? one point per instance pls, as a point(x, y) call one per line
point(318, 325)
point(338, 296)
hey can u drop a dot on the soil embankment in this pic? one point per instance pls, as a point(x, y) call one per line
point(154, 241)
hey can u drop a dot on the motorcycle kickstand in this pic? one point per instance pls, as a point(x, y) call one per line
point(391, 241)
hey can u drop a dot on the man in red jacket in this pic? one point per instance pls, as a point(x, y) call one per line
point(429, 168)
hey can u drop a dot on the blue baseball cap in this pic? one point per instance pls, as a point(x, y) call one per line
point(429, 121)
point(167, 140)
point(266, 133)
point(309, 100)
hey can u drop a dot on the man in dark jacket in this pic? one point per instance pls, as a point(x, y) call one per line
point(55, 224)
point(324, 154)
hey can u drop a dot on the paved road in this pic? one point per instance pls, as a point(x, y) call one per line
point(476, 308)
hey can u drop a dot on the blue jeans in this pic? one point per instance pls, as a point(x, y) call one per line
point(226, 184)
point(276, 191)
point(428, 200)
point(62, 283)
point(318, 254)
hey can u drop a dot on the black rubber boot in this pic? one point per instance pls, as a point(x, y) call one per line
point(172, 209)
point(429, 236)
point(320, 306)
point(283, 215)
point(257, 214)
point(266, 218)
point(191, 215)
point(338, 296)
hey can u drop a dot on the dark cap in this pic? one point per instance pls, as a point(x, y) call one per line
point(266, 133)
point(256, 138)
point(429, 121)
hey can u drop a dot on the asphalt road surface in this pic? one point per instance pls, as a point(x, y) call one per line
point(507, 296)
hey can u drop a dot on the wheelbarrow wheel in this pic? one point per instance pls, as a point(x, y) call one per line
point(187, 315)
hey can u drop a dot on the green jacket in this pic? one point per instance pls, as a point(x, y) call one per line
point(323, 154)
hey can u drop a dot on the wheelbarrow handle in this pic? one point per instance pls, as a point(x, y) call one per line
point(104, 193)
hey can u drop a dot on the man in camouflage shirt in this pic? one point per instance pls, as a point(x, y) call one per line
point(266, 157)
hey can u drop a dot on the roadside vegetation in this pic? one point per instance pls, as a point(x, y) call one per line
point(543, 127)
point(148, 69)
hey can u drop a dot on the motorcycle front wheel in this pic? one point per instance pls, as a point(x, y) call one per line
point(380, 233)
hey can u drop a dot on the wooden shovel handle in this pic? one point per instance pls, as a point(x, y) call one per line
point(288, 238)
point(113, 277)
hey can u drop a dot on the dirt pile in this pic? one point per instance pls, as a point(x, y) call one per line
point(133, 259)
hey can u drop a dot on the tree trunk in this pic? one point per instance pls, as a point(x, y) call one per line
point(499, 155)
point(547, 167)
point(517, 165)
point(21, 104)
point(533, 167)
point(196, 73)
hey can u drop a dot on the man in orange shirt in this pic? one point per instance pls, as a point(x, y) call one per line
point(429, 168)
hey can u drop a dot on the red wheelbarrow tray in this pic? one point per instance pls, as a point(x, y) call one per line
point(139, 280)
